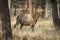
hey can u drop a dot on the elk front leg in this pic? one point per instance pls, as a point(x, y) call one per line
point(21, 26)
point(32, 25)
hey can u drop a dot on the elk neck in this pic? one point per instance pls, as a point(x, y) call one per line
point(35, 16)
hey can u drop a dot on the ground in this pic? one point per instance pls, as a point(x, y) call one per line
point(43, 30)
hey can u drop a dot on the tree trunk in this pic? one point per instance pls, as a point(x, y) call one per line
point(30, 6)
point(58, 7)
point(27, 4)
point(5, 17)
point(56, 21)
point(0, 25)
point(48, 9)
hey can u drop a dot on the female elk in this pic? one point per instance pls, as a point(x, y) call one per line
point(28, 19)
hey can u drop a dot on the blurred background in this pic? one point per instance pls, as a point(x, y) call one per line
point(47, 26)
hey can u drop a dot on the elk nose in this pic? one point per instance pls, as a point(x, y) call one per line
point(39, 9)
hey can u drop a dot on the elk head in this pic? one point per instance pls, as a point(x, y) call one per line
point(38, 12)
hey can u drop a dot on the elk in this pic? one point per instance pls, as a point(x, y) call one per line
point(28, 19)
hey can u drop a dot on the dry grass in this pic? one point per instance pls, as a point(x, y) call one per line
point(43, 30)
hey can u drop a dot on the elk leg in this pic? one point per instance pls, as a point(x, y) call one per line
point(32, 27)
point(21, 26)
point(16, 24)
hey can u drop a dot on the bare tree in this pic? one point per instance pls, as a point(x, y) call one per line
point(5, 17)
point(56, 20)
point(30, 6)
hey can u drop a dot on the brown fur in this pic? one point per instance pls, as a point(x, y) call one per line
point(33, 20)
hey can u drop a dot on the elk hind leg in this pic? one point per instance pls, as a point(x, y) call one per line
point(16, 24)
point(32, 27)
